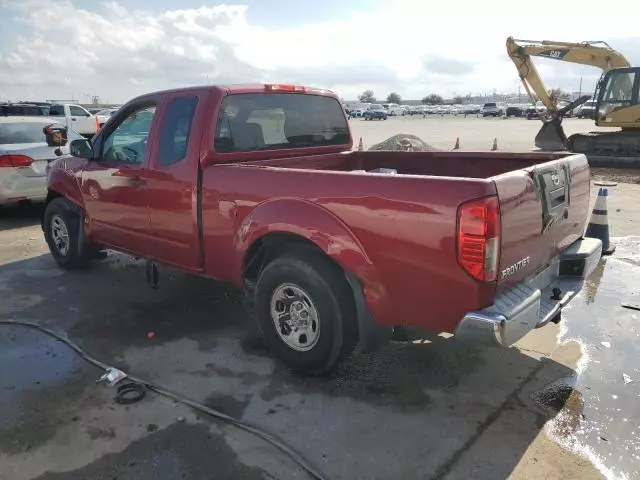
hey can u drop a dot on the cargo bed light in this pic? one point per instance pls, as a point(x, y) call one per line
point(479, 238)
point(275, 87)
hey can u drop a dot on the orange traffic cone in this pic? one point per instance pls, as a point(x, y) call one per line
point(457, 145)
point(494, 147)
point(360, 146)
point(599, 224)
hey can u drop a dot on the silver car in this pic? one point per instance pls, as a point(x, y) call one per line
point(24, 155)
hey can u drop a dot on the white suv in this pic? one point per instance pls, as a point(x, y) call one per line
point(494, 109)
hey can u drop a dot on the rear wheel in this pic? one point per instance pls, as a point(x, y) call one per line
point(306, 312)
point(61, 226)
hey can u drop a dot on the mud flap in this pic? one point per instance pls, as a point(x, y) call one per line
point(551, 136)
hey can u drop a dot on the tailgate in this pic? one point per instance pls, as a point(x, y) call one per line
point(544, 209)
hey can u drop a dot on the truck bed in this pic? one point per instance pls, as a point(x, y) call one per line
point(439, 164)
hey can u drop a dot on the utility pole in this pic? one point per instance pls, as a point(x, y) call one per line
point(519, 100)
point(580, 91)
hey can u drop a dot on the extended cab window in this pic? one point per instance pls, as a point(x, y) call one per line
point(174, 137)
point(128, 142)
point(266, 121)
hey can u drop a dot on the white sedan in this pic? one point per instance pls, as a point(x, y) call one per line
point(24, 155)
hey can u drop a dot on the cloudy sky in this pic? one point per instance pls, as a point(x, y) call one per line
point(77, 48)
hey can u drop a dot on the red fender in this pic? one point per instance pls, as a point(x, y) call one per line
point(324, 229)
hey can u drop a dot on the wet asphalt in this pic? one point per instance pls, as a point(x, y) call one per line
point(427, 408)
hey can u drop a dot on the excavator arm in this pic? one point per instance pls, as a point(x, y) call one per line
point(597, 54)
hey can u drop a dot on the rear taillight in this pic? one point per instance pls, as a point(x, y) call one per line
point(479, 238)
point(15, 161)
point(97, 124)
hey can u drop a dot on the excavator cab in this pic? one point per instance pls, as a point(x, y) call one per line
point(616, 93)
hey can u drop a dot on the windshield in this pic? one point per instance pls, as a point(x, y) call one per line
point(26, 132)
point(263, 121)
point(489, 105)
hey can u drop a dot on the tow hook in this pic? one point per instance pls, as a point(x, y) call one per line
point(152, 272)
point(557, 294)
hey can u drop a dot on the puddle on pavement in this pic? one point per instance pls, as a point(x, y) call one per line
point(24, 353)
point(600, 413)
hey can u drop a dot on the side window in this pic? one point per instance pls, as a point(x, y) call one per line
point(56, 111)
point(174, 137)
point(77, 111)
point(128, 142)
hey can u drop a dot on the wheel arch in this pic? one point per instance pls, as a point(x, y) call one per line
point(284, 226)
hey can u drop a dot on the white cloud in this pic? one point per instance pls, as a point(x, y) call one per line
point(411, 47)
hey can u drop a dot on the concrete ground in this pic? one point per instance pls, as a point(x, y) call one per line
point(427, 408)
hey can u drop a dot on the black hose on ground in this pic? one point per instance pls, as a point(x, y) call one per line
point(272, 439)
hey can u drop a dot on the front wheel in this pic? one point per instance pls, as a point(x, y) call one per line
point(61, 225)
point(306, 312)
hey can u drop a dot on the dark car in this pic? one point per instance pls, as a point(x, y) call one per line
point(515, 111)
point(378, 113)
point(20, 110)
point(588, 110)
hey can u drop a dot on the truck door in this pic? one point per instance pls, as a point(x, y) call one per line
point(172, 193)
point(82, 121)
point(114, 186)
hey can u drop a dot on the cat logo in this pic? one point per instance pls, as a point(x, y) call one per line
point(555, 179)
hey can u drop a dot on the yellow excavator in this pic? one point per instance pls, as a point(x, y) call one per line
point(617, 102)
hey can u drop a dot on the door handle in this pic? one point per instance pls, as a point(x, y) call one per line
point(73, 119)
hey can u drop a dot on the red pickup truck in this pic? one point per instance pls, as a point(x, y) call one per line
point(257, 185)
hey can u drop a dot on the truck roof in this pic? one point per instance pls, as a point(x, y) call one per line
point(247, 88)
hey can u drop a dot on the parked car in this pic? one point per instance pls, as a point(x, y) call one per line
point(336, 245)
point(105, 114)
point(471, 109)
point(395, 110)
point(515, 110)
point(587, 110)
point(44, 106)
point(20, 110)
point(376, 113)
point(24, 155)
point(76, 117)
point(494, 109)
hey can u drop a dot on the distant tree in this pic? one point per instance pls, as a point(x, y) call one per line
point(394, 98)
point(458, 99)
point(367, 97)
point(433, 99)
point(558, 94)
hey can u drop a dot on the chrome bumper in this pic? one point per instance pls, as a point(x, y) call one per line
point(532, 303)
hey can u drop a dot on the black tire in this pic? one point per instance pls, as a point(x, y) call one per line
point(61, 211)
point(328, 291)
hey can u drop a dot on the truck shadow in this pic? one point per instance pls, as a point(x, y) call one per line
point(19, 216)
point(439, 399)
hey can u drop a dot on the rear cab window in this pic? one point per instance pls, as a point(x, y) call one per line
point(274, 121)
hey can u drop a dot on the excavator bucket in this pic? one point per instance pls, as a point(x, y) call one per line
point(551, 136)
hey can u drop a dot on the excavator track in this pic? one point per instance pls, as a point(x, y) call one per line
point(608, 148)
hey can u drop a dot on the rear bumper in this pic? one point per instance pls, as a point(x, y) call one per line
point(532, 303)
point(15, 187)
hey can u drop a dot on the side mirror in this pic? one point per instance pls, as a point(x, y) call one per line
point(56, 135)
point(81, 148)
